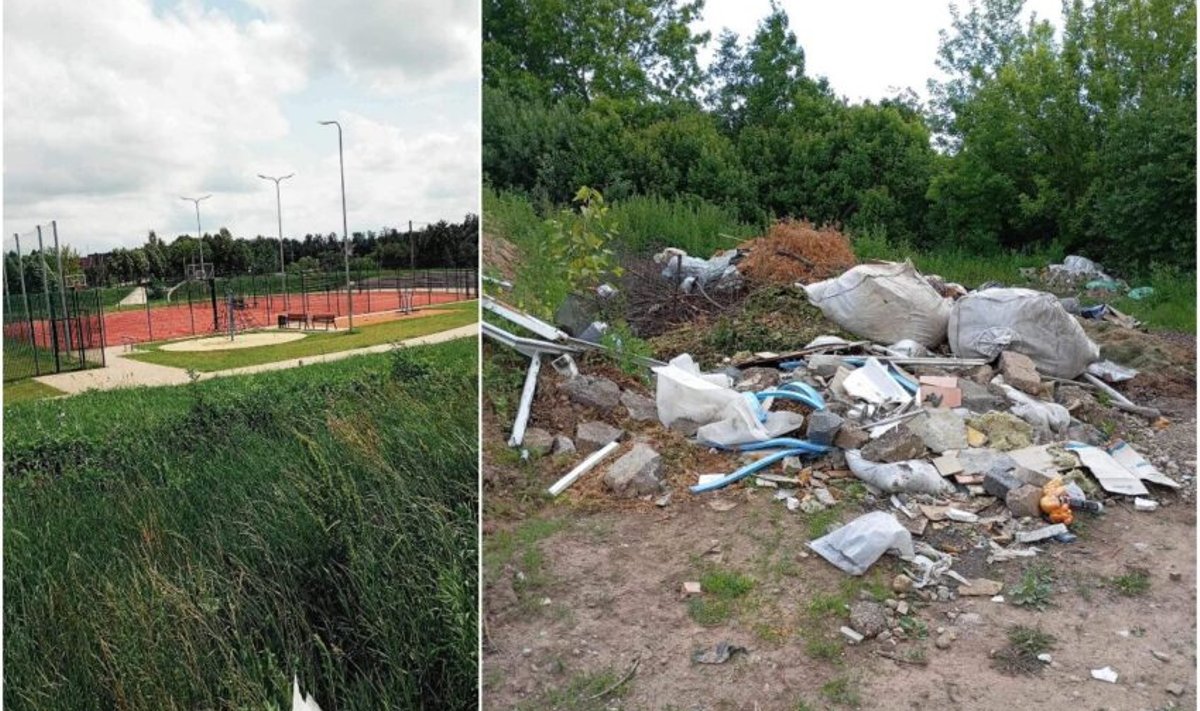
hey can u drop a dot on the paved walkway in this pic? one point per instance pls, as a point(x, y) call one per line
point(137, 297)
point(122, 372)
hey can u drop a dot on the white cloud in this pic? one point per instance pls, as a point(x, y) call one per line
point(113, 110)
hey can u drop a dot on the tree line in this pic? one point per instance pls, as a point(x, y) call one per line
point(1083, 140)
point(442, 244)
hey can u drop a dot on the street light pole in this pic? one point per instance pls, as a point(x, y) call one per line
point(199, 234)
point(279, 217)
point(345, 231)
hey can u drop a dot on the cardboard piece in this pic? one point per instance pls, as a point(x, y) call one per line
point(1138, 466)
point(1113, 477)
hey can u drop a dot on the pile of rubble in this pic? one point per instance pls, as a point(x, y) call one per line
point(991, 435)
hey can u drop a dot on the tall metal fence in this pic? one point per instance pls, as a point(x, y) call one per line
point(46, 333)
point(196, 307)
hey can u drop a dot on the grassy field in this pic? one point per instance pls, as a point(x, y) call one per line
point(647, 224)
point(27, 390)
point(314, 344)
point(194, 547)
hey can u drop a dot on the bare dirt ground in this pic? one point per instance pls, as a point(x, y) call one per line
point(583, 605)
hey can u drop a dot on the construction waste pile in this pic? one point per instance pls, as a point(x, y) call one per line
point(952, 408)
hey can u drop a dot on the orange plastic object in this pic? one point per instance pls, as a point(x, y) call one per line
point(1055, 502)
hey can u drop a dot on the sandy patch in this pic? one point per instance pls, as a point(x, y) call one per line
point(241, 340)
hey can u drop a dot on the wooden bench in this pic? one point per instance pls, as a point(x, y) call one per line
point(326, 319)
point(300, 319)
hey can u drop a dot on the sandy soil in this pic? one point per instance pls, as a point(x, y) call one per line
point(241, 340)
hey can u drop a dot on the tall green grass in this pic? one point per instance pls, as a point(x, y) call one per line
point(647, 224)
point(194, 547)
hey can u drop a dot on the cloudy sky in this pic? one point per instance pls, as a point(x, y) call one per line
point(864, 47)
point(113, 109)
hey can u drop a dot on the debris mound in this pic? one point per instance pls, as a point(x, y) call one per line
point(796, 251)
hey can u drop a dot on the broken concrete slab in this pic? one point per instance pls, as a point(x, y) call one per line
point(940, 430)
point(898, 444)
point(981, 461)
point(591, 391)
point(979, 398)
point(981, 587)
point(948, 464)
point(592, 435)
point(1041, 534)
point(639, 407)
point(1025, 500)
point(823, 427)
point(825, 366)
point(1020, 372)
point(998, 483)
point(636, 473)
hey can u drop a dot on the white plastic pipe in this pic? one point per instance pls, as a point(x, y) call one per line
point(583, 468)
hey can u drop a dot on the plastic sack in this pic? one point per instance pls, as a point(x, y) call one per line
point(1048, 417)
point(727, 417)
point(884, 303)
point(856, 546)
point(984, 323)
point(716, 274)
point(915, 476)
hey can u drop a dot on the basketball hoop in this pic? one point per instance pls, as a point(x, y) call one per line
point(75, 282)
point(197, 272)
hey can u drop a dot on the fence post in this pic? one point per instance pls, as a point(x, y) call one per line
point(62, 282)
point(212, 292)
point(149, 321)
point(191, 311)
point(28, 314)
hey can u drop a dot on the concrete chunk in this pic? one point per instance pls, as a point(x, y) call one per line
point(590, 436)
point(940, 430)
point(639, 407)
point(599, 393)
point(637, 473)
point(823, 427)
point(1020, 372)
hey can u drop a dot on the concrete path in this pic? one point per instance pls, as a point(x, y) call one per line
point(137, 297)
point(123, 372)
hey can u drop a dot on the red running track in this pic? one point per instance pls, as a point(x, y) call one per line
point(178, 321)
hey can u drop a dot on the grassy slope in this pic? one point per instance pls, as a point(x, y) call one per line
point(314, 344)
point(193, 547)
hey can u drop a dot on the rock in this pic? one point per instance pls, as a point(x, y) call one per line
point(969, 618)
point(902, 583)
point(1004, 431)
point(998, 482)
point(851, 635)
point(896, 445)
point(639, 407)
point(1025, 500)
point(823, 427)
point(590, 436)
point(825, 366)
point(982, 374)
point(598, 393)
point(979, 398)
point(1175, 689)
point(638, 472)
point(1020, 372)
point(940, 430)
point(690, 588)
point(868, 617)
point(975, 438)
point(538, 441)
point(981, 587)
point(980, 462)
point(1161, 656)
point(824, 496)
point(1088, 434)
point(755, 379)
point(811, 506)
point(1041, 534)
point(562, 445)
point(943, 640)
point(685, 427)
point(851, 437)
point(1032, 476)
point(792, 465)
point(902, 608)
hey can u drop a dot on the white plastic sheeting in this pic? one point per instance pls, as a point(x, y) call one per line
point(1046, 417)
point(856, 546)
point(885, 303)
point(716, 274)
point(984, 323)
point(915, 476)
point(726, 416)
